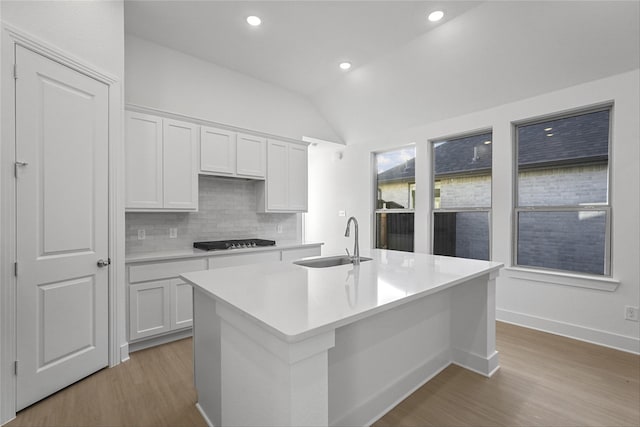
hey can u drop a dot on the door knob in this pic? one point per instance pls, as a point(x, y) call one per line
point(104, 263)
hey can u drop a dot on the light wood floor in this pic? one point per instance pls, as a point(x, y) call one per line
point(544, 380)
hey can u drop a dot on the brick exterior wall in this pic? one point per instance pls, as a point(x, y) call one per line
point(465, 192)
point(559, 240)
point(472, 235)
point(395, 191)
point(567, 186)
point(572, 241)
point(227, 210)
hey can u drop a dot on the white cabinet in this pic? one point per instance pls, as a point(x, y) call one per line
point(143, 161)
point(251, 158)
point(161, 304)
point(161, 170)
point(285, 189)
point(182, 305)
point(159, 301)
point(227, 153)
point(217, 151)
point(149, 309)
point(180, 165)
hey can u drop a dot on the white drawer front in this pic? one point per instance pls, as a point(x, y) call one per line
point(243, 259)
point(165, 269)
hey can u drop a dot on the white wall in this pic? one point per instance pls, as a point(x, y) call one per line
point(169, 80)
point(93, 33)
point(588, 314)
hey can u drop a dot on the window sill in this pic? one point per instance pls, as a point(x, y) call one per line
point(567, 279)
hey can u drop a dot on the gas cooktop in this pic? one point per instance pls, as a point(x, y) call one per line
point(233, 244)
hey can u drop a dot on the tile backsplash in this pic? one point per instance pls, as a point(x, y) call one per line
point(227, 211)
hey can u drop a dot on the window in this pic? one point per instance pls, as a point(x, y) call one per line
point(395, 201)
point(462, 196)
point(562, 197)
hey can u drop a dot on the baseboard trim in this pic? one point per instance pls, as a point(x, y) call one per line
point(581, 333)
point(162, 339)
point(204, 415)
point(413, 380)
point(485, 366)
point(124, 352)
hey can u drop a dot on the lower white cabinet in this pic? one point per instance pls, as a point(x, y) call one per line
point(159, 301)
point(161, 304)
point(149, 309)
point(182, 306)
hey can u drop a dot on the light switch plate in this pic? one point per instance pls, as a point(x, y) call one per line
point(141, 234)
point(173, 233)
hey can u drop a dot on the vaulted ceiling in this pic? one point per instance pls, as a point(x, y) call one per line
point(406, 70)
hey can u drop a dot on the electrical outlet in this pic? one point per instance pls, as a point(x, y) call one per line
point(279, 228)
point(342, 213)
point(173, 233)
point(631, 313)
point(141, 234)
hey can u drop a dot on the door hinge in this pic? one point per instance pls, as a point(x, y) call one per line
point(15, 367)
point(15, 71)
point(15, 269)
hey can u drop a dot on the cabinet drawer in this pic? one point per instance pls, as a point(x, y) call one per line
point(164, 270)
point(295, 254)
point(244, 259)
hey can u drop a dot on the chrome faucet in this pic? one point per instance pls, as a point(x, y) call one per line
point(355, 259)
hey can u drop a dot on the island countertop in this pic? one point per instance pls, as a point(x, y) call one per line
point(296, 302)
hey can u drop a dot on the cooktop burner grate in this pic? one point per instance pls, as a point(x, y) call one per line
point(233, 244)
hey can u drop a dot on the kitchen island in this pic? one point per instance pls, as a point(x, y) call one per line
point(283, 344)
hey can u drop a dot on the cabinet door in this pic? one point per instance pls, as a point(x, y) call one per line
point(298, 177)
point(217, 151)
point(181, 305)
point(180, 165)
point(143, 161)
point(149, 309)
point(277, 175)
point(251, 154)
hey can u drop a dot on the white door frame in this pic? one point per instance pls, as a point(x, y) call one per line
point(118, 348)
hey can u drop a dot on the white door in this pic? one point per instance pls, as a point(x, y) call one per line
point(62, 226)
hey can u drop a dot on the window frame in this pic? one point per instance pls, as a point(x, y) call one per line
point(591, 207)
point(434, 210)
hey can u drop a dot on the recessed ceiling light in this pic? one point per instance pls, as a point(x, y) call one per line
point(487, 142)
point(345, 65)
point(549, 134)
point(547, 129)
point(436, 16)
point(254, 21)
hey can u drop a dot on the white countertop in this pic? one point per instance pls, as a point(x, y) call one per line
point(296, 302)
point(196, 253)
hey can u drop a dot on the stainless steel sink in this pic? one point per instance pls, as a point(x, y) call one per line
point(328, 261)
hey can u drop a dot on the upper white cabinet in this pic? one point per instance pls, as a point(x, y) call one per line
point(143, 161)
point(285, 189)
point(217, 151)
point(161, 169)
point(228, 153)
